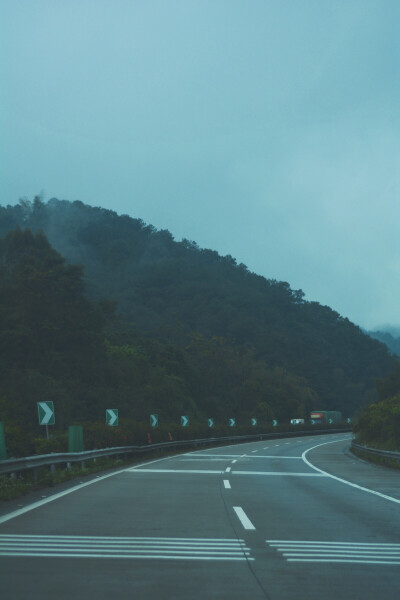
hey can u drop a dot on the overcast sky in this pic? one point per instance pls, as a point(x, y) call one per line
point(264, 129)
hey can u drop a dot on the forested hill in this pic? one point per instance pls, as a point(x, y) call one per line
point(391, 341)
point(170, 290)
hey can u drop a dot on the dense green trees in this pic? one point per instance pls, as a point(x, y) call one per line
point(147, 324)
point(379, 424)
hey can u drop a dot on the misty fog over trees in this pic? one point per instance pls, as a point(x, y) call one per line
point(102, 310)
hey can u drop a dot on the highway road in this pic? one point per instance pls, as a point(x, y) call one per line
point(287, 519)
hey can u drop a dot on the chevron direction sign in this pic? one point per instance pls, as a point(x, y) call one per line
point(254, 422)
point(112, 416)
point(274, 422)
point(232, 422)
point(211, 422)
point(46, 413)
point(154, 420)
point(184, 421)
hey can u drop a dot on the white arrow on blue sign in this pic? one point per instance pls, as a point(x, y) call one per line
point(46, 413)
point(211, 422)
point(348, 420)
point(274, 422)
point(112, 416)
point(154, 420)
point(330, 421)
point(232, 422)
point(254, 421)
point(184, 421)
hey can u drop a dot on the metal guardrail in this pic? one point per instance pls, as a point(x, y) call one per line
point(15, 465)
point(385, 454)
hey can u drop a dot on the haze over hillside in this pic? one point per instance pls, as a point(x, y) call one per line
point(296, 356)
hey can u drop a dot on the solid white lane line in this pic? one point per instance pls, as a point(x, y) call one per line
point(149, 556)
point(28, 537)
point(183, 471)
point(283, 474)
point(243, 518)
point(332, 544)
point(227, 484)
point(344, 560)
point(25, 509)
point(354, 485)
point(277, 456)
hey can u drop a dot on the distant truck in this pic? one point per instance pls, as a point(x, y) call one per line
point(326, 416)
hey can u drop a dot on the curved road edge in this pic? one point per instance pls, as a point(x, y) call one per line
point(367, 472)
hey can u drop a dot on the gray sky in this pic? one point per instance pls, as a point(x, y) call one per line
point(264, 129)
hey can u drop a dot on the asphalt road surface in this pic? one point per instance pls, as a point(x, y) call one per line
point(284, 520)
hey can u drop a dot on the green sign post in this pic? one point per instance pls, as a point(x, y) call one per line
point(3, 452)
point(46, 414)
point(112, 416)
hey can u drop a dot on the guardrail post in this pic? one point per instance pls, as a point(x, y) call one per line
point(53, 469)
point(68, 466)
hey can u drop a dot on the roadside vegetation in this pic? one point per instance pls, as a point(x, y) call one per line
point(378, 426)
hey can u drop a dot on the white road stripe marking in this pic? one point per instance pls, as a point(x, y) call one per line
point(332, 544)
point(106, 538)
point(227, 470)
point(234, 461)
point(354, 485)
point(183, 471)
point(227, 484)
point(154, 556)
point(199, 455)
point(281, 474)
point(343, 560)
point(348, 552)
point(275, 456)
point(94, 547)
point(21, 511)
point(243, 518)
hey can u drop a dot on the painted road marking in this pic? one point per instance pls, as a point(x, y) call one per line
point(227, 484)
point(243, 518)
point(227, 470)
point(347, 552)
point(124, 547)
point(354, 485)
point(204, 472)
point(39, 503)
point(274, 456)
point(277, 473)
point(234, 461)
point(200, 456)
